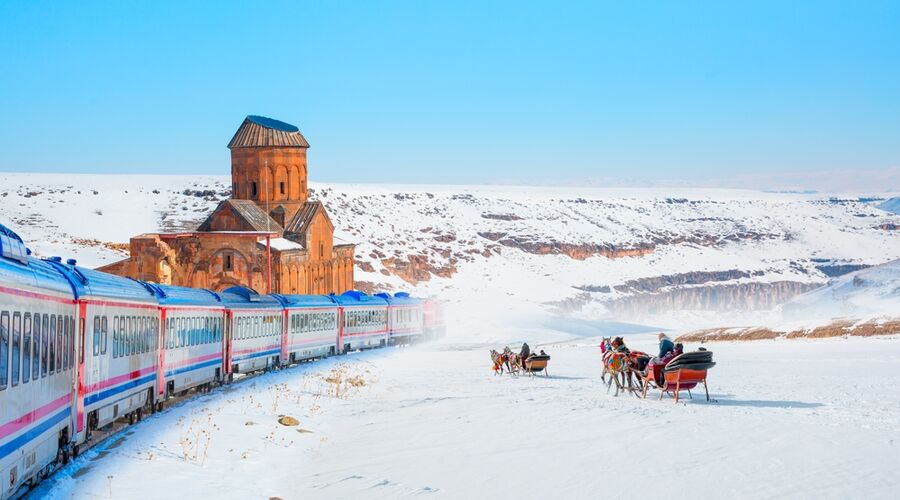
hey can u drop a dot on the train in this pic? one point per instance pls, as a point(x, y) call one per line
point(81, 349)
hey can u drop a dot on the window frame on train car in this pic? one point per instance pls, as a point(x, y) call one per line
point(4, 349)
point(65, 344)
point(15, 349)
point(36, 348)
point(104, 334)
point(51, 354)
point(45, 344)
point(60, 322)
point(26, 350)
point(122, 334)
point(96, 337)
point(115, 340)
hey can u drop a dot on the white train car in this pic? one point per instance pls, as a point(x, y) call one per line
point(118, 325)
point(193, 346)
point(254, 326)
point(312, 329)
point(363, 320)
point(37, 361)
point(406, 321)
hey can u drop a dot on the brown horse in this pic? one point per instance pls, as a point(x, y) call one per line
point(622, 366)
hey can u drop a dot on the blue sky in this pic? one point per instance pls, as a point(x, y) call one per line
point(456, 92)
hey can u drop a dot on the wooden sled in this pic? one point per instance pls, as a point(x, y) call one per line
point(537, 364)
point(675, 381)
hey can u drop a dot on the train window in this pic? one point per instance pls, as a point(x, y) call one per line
point(256, 326)
point(122, 339)
point(26, 348)
point(51, 356)
point(141, 327)
point(16, 350)
point(170, 333)
point(96, 335)
point(36, 357)
point(146, 323)
point(127, 326)
point(179, 332)
point(4, 349)
point(115, 342)
point(45, 343)
point(59, 344)
point(103, 334)
point(64, 345)
point(197, 331)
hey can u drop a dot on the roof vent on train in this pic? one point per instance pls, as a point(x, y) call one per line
point(248, 293)
point(384, 295)
point(402, 295)
point(12, 246)
point(356, 294)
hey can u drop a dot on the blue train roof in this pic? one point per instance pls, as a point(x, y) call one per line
point(88, 282)
point(36, 273)
point(399, 299)
point(248, 298)
point(305, 300)
point(169, 295)
point(356, 298)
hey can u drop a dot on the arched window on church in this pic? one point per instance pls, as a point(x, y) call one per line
point(281, 187)
point(253, 189)
point(321, 250)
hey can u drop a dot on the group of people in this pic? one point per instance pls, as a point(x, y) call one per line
point(513, 362)
point(525, 352)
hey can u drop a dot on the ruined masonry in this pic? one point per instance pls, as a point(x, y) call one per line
point(267, 232)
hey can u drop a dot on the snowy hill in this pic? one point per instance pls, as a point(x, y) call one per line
point(625, 253)
point(869, 292)
point(892, 205)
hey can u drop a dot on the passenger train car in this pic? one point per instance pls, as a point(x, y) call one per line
point(405, 319)
point(80, 349)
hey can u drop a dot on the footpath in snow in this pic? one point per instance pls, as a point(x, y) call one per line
point(813, 419)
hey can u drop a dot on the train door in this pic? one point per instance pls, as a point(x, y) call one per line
point(78, 386)
point(340, 339)
point(227, 338)
point(162, 344)
point(285, 338)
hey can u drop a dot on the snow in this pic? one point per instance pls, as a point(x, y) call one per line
point(792, 418)
point(283, 244)
point(869, 292)
point(892, 205)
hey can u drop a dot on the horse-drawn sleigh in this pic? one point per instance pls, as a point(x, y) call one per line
point(634, 371)
point(514, 364)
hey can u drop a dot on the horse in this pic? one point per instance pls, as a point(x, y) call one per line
point(513, 361)
point(621, 365)
point(498, 360)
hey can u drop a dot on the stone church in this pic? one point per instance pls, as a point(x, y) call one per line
point(268, 235)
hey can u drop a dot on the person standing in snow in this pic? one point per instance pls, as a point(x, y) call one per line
point(665, 345)
point(525, 352)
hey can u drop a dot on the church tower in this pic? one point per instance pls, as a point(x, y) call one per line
point(268, 167)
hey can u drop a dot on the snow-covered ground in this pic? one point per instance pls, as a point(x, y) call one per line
point(799, 419)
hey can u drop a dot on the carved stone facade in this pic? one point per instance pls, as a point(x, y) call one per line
point(268, 236)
